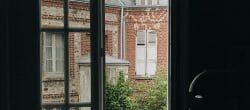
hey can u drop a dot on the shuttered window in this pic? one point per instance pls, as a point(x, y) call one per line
point(146, 53)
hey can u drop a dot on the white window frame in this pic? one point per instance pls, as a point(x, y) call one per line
point(54, 75)
point(146, 74)
point(154, 2)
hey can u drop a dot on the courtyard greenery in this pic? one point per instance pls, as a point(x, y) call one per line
point(152, 94)
point(117, 95)
point(138, 95)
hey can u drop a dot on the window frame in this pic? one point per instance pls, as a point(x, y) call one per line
point(97, 17)
point(53, 53)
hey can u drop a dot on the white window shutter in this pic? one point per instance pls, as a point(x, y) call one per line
point(151, 52)
point(138, 2)
point(154, 2)
point(141, 53)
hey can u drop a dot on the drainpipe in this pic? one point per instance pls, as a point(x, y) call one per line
point(124, 36)
point(121, 31)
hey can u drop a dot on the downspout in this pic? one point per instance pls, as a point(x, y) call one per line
point(121, 32)
point(124, 36)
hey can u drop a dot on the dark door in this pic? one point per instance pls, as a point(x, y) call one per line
point(210, 37)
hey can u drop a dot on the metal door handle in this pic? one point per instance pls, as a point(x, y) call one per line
point(196, 78)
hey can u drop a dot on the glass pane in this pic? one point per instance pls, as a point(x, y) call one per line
point(79, 59)
point(49, 53)
point(60, 66)
point(48, 39)
point(59, 40)
point(59, 53)
point(137, 55)
point(59, 44)
point(80, 108)
point(52, 83)
point(49, 66)
point(79, 13)
point(149, 2)
point(51, 13)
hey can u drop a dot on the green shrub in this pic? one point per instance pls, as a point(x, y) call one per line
point(150, 95)
point(117, 96)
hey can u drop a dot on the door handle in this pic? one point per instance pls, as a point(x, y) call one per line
point(195, 97)
point(196, 78)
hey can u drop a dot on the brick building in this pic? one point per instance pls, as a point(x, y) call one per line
point(136, 31)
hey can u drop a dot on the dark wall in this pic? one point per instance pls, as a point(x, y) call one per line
point(210, 34)
point(4, 56)
point(20, 81)
point(219, 37)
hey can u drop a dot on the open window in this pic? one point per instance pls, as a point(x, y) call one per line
point(80, 40)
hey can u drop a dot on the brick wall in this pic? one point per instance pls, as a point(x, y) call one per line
point(79, 43)
point(151, 19)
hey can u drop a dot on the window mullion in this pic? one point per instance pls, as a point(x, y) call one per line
point(66, 55)
point(44, 51)
point(53, 53)
point(146, 52)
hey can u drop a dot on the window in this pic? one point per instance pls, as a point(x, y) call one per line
point(147, 2)
point(143, 2)
point(53, 53)
point(146, 53)
point(52, 108)
point(63, 25)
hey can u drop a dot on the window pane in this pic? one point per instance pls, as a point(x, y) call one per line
point(60, 66)
point(48, 39)
point(79, 14)
point(49, 53)
point(149, 2)
point(49, 66)
point(143, 42)
point(59, 53)
point(143, 2)
point(51, 13)
point(52, 83)
point(79, 59)
point(59, 43)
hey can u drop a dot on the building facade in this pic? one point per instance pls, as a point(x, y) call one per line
point(136, 31)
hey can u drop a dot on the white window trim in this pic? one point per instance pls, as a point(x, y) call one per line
point(50, 75)
point(154, 2)
point(146, 75)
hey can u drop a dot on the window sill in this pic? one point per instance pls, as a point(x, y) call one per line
point(144, 77)
point(53, 77)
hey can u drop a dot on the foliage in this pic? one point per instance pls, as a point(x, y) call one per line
point(117, 95)
point(152, 95)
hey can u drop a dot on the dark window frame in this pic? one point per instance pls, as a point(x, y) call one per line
point(97, 55)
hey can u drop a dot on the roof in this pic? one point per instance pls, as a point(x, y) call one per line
point(109, 60)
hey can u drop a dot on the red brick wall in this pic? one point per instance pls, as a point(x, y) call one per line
point(54, 14)
point(71, 55)
point(108, 42)
point(85, 43)
point(141, 19)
